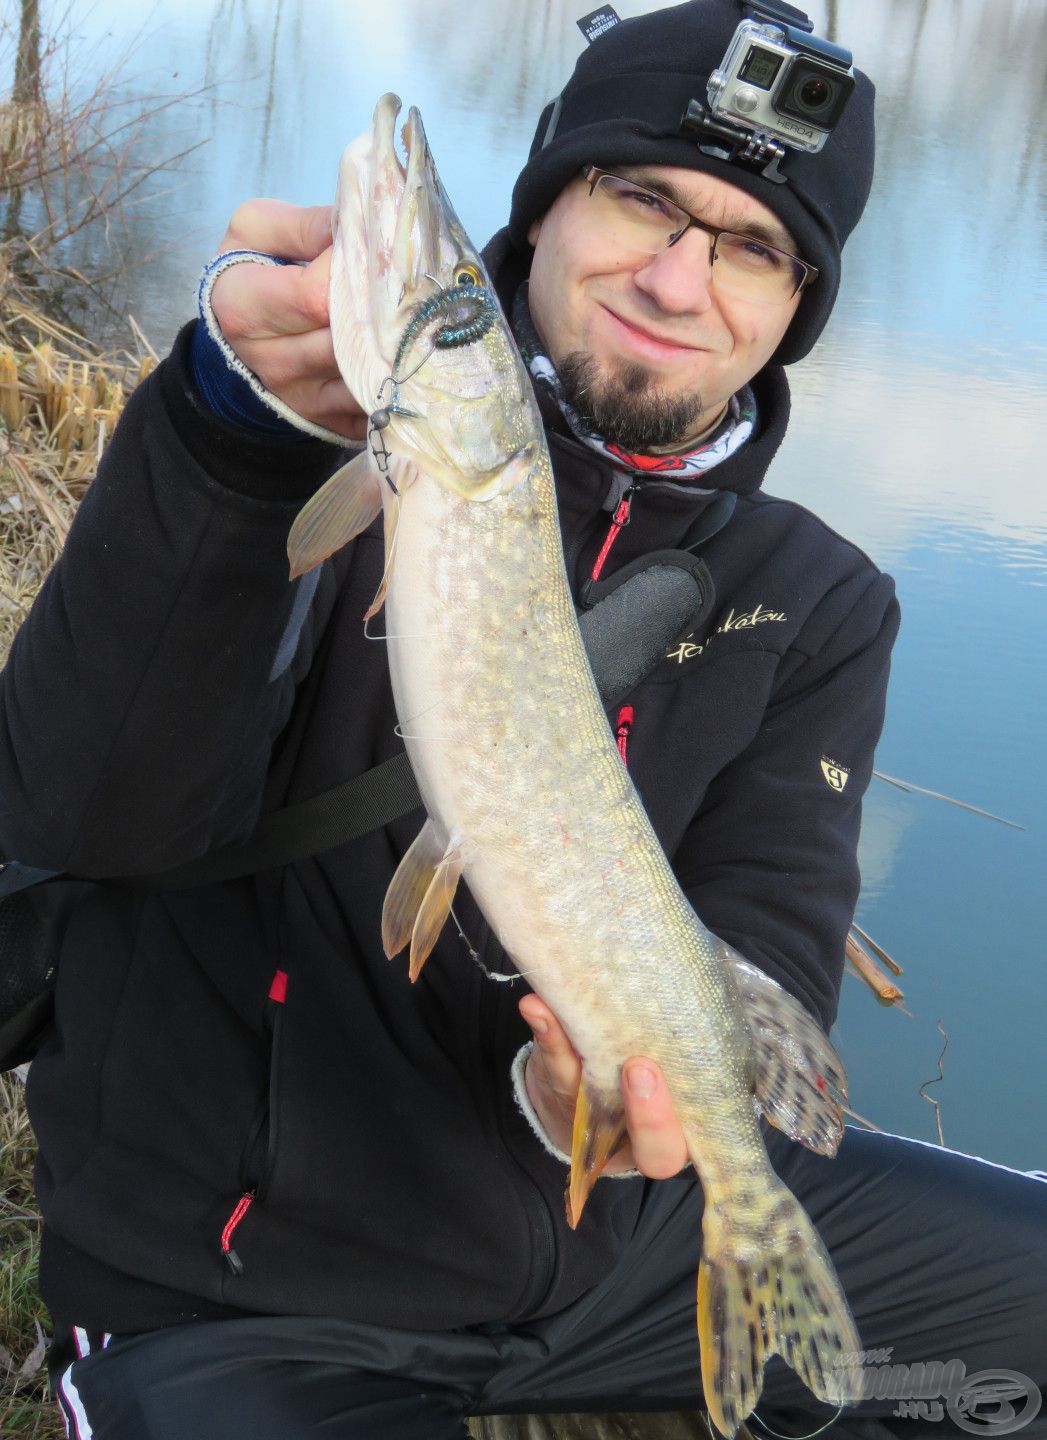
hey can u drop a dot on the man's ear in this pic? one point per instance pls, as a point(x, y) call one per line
point(533, 231)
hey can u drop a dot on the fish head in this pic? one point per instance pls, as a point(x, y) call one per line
point(418, 333)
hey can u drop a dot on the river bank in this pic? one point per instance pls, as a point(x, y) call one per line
point(60, 399)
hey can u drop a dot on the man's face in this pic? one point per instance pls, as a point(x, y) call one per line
point(648, 350)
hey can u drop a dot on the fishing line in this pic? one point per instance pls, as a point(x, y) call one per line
point(426, 635)
point(475, 958)
point(811, 1434)
point(401, 734)
point(398, 728)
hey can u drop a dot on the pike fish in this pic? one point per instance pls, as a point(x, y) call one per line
point(528, 799)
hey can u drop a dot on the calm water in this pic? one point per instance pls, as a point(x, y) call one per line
point(913, 429)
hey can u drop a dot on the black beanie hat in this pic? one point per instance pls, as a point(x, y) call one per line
point(637, 79)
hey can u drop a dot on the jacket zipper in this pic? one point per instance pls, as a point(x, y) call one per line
point(619, 520)
point(260, 1150)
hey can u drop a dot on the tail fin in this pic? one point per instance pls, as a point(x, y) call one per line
point(782, 1298)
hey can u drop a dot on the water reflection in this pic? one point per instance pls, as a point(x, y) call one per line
point(941, 447)
point(915, 427)
point(949, 252)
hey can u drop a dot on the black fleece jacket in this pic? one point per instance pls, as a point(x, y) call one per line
point(238, 1068)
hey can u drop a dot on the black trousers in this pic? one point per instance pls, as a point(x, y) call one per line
point(942, 1256)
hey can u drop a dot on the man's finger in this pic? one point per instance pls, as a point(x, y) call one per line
point(658, 1144)
point(275, 227)
point(561, 1066)
point(291, 360)
point(267, 302)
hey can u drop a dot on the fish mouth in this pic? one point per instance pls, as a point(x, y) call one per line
point(410, 302)
point(427, 284)
point(423, 247)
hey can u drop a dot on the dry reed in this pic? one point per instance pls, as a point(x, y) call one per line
point(58, 406)
point(59, 402)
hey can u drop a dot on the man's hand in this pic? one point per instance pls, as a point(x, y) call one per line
point(276, 318)
point(656, 1146)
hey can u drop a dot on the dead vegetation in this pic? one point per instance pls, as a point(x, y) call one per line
point(66, 165)
point(59, 402)
point(25, 1410)
point(58, 406)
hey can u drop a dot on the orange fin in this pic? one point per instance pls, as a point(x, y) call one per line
point(340, 510)
point(599, 1129)
point(392, 519)
point(435, 908)
point(420, 896)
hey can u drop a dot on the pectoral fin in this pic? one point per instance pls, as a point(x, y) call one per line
point(420, 896)
point(340, 510)
point(599, 1129)
point(797, 1070)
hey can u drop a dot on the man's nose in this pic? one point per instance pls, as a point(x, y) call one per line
point(679, 278)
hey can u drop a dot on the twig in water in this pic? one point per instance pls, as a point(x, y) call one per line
point(866, 968)
point(878, 950)
point(909, 787)
point(940, 1076)
point(860, 1118)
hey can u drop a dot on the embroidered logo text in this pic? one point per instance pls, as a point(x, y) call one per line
point(687, 648)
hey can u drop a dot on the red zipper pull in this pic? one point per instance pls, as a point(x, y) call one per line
point(619, 520)
point(625, 724)
point(236, 1265)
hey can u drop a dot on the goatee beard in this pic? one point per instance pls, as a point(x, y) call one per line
point(627, 409)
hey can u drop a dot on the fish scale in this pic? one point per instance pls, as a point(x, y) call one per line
point(527, 797)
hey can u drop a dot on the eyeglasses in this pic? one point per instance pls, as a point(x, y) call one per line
point(647, 222)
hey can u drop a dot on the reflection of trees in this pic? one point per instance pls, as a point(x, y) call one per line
point(960, 156)
point(960, 149)
point(511, 55)
point(255, 50)
point(264, 55)
point(26, 90)
point(77, 168)
point(270, 85)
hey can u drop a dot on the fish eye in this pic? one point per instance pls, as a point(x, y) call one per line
point(467, 275)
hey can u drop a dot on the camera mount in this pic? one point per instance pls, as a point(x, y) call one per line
point(778, 87)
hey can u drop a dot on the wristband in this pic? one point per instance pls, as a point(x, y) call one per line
point(231, 390)
point(523, 1101)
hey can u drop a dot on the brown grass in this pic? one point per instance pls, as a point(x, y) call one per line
point(26, 1412)
point(58, 406)
point(59, 402)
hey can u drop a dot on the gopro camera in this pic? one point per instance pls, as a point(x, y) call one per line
point(780, 82)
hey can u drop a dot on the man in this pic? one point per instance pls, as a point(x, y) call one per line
point(285, 1193)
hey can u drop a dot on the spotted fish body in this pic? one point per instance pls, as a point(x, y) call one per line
point(527, 796)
